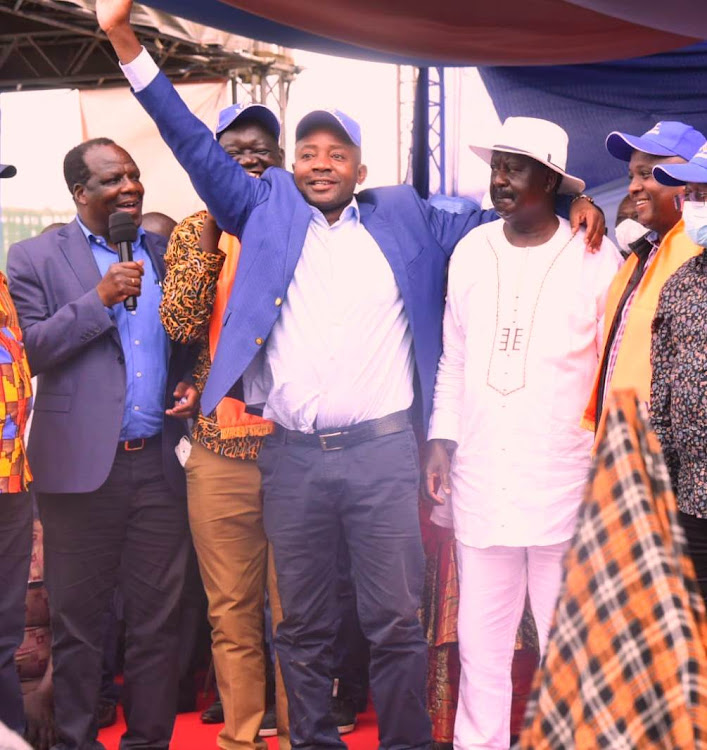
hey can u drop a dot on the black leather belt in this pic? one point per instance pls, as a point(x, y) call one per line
point(137, 444)
point(338, 438)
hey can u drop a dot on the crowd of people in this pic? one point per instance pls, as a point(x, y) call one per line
point(305, 363)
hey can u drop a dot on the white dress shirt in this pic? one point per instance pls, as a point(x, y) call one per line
point(522, 339)
point(341, 351)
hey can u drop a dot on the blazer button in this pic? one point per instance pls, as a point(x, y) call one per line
point(278, 301)
point(259, 341)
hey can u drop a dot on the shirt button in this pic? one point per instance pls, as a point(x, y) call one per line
point(138, 374)
point(136, 408)
point(137, 342)
point(259, 341)
point(133, 312)
point(278, 301)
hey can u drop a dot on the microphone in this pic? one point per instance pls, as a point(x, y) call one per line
point(123, 232)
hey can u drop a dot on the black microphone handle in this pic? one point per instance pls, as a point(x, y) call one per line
point(125, 255)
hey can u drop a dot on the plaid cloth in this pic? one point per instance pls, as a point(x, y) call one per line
point(626, 665)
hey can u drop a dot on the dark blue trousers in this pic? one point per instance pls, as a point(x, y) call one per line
point(15, 551)
point(131, 534)
point(365, 497)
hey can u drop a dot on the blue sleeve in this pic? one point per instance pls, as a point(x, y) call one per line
point(229, 193)
point(448, 228)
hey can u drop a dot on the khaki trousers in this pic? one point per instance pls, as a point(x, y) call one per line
point(226, 519)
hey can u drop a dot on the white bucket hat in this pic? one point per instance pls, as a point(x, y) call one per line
point(541, 140)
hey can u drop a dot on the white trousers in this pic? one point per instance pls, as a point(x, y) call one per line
point(492, 586)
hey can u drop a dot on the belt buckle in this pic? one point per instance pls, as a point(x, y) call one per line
point(323, 439)
point(140, 444)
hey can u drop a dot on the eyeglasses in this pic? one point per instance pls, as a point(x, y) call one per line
point(698, 197)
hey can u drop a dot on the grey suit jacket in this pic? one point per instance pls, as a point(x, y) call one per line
point(74, 349)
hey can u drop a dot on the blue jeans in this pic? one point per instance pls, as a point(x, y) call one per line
point(364, 497)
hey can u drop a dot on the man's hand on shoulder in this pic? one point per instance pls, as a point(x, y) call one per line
point(583, 212)
point(114, 19)
point(122, 280)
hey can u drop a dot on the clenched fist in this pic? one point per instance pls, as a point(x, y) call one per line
point(122, 280)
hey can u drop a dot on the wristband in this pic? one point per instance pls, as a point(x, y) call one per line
point(582, 195)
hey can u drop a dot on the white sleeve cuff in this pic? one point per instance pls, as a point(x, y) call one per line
point(443, 426)
point(141, 71)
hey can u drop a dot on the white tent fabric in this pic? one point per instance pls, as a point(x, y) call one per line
point(110, 113)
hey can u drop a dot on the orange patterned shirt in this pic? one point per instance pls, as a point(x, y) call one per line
point(15, 397)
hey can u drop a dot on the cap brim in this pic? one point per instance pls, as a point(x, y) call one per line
point(256, 112)
point(7, 170)
point(675, 175)
point(321, 117)
point(622, 145)
point(569, 184)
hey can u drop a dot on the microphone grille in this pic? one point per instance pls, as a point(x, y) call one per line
point(121, 227)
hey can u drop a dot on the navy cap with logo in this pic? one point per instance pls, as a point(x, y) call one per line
point(328, 117)
point(665, 138)
point(258, 112)
point(7, 170)
point(680, 174)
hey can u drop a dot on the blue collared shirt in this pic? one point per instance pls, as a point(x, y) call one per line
point(144, 341)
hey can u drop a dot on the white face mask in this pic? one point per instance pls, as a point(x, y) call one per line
point(695, 217)
point(628, 231)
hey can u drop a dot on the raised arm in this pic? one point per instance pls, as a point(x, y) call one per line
point(189, 286)
point(222, 184)
point(448, 227)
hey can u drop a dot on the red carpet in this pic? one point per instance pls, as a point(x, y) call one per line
point(191, 734)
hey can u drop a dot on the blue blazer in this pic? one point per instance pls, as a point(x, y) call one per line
point(74, 350)
point(271, 218)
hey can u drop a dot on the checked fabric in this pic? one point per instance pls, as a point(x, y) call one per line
point(625, 666)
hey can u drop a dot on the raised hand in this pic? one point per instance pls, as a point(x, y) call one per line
point(114, 19)
point(113, 13)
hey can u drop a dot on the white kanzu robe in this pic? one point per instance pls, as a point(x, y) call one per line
point(522, 335)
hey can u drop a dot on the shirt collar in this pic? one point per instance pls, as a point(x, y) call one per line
point(100, 240)
point(350, 214)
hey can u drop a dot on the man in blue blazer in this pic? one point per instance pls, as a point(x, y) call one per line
point(110, 491)
point(334, 324)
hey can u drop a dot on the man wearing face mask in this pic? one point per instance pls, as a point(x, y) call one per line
point(633, 295)
point(627, 228)
point(223, 481)
point(678, 405)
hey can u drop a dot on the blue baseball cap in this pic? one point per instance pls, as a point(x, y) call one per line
point(7, 170)
point(679, 174)
point(258, 112)
point(329, 117)
point(665, 138)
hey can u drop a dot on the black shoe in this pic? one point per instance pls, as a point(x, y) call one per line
point(107, 714)
point(343, 712)
point(213, 714)
point(268, 726)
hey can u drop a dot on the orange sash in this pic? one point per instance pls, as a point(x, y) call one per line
point(632, 370)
